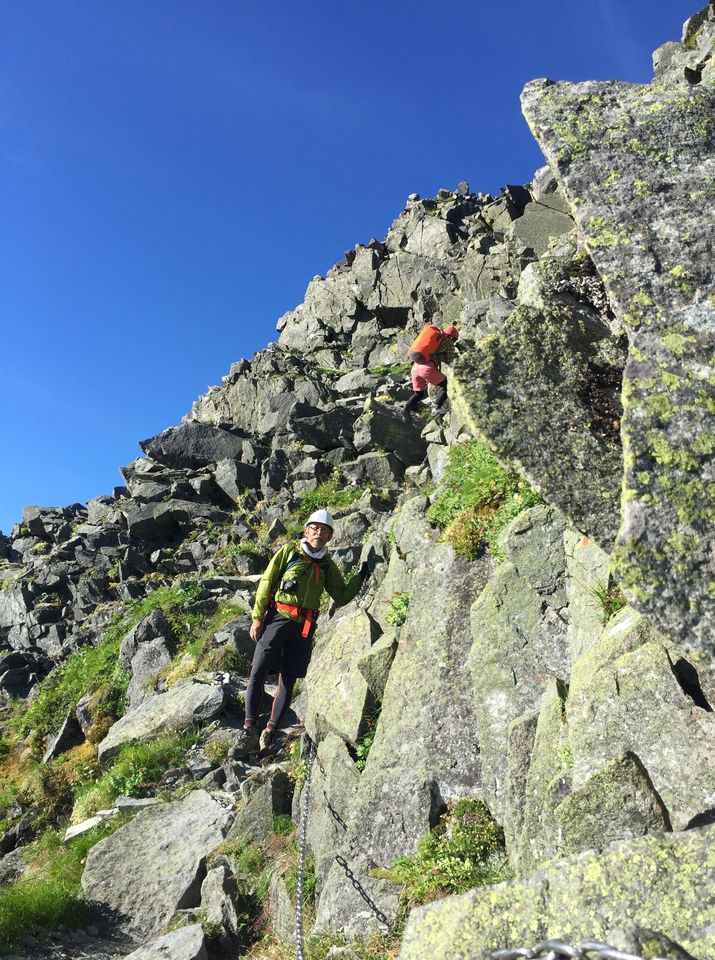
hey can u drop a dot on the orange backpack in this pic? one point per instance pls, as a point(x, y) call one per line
point(425, 344)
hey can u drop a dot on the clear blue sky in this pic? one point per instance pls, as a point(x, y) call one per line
point(174, 173)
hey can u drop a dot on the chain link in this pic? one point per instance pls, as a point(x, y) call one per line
point(360, 889)
point(558, 950)
point(302, 842)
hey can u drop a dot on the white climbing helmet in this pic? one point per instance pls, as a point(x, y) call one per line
point(321, 516)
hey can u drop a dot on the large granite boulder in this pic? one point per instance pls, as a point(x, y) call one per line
point(637, 164)
point(519, 647)
point(189, 702)
point(193, 444)
point(662, 882)
point(271, 798)
point(378, 426)
point(162, 522)
point(145, 651)
point(616, 803)
point(626, 695)
point(539, 389)
point(155, 865)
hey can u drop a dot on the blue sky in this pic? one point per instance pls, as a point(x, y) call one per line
point(174, 173)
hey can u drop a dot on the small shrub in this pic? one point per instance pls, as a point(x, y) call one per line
point(297, 766)
point(136, 766)
point(392, 369)
point(251, 861)
point(465, 850)
point(364, 744)
point(95, 668)
point(478, 498)
point(397, 607)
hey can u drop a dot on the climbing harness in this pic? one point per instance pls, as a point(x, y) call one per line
point(558, 950)
point(302, 842)
point(293, 611)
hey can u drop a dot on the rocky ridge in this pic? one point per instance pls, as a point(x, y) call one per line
point(588, 734)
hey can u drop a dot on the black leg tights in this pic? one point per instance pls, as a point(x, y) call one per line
point(254, 696)
point(281, 701)
point(415, 399)
point(441, 394)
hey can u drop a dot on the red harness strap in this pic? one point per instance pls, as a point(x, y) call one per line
point(294, 611)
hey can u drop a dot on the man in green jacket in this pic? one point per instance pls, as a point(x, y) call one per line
point(284, 621)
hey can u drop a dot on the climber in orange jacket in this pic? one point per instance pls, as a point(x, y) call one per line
point(427, 352)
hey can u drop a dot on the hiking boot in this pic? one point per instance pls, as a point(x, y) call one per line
point(246, 742)
point(267, 738)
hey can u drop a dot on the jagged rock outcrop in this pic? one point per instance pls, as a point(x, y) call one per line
point(655, 257)
point(155, 864)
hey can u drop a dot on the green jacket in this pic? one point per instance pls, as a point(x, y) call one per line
point(313, 577)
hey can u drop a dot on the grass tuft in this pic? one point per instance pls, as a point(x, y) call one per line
point(465, 850)
point(477, 499)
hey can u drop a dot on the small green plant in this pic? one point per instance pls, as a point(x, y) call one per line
point(465, 850)
point(394, 369)
point(478, 498)
point(607, 597)
point(364, 744)
point(283, 825)
point(297, 766)
point(330, 493)
point(97, 668)
point(397, 607)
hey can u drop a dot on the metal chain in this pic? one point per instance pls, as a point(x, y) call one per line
point(358, 886)
point(302, 843)
point(558, 950)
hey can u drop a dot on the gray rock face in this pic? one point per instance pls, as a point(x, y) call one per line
point(334, 783)
point(254, 822)
point(655, 258)
point(160, 522)
point(144, 651)
point(519, 646)
point(616, 803)
point(185, 704)
point(625, 696)
point(690, 62)
point(559, 361)
point(69, 735)
point(638, 876)
point(376, 663)
point(154, 865)
point(425, 750)
point(339, 707)
point(219, 896)
point(380, 427)
point(234, 477)
point(186, 943)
